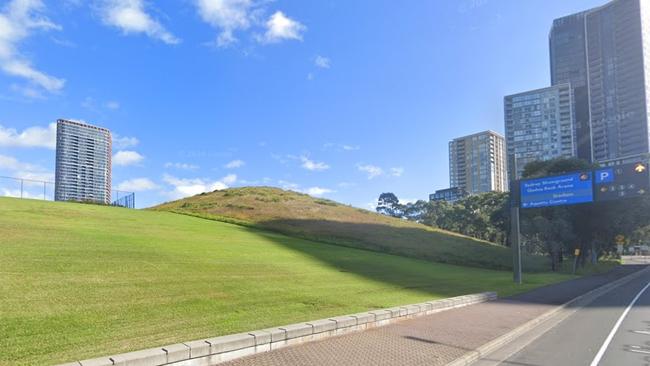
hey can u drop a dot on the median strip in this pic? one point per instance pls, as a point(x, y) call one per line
point(226, 348)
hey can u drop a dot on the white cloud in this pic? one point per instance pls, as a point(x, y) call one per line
point(10, 163)
point(28, 91)
point(38, 173)
point(130, 16)
point(371, 170)
point(190, 187)
point(289, 185)
point(30, 137)
point(235, 164)
point(17, 193)
point(341, 147)
point(183, 166)
point(313, 165)
point(372, 206)
point(126, 158)
point(226, 15)
point(396, 172)
point(88, 103)
point(19, 169)
point(137, 185)
point(18, 19)
point(279, 27)
point(124, 142)
point(23, 69)
point(229, 179)
point(322, 62)
point(312, 191)
point(310, 76)
point(230, 16)
point(317, 191)
point(111, 104)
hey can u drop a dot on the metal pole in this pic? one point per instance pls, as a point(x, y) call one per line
point(515, 230)
point(44, 191)
point(516, 244)
point(21, 188)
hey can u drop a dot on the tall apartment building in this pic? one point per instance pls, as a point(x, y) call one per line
point(83, 162)
point(539, 125)
point(604, 53)
point(477, 163)
point(567, 44)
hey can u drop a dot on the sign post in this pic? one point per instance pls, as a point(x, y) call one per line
point(515, 230)
point(576, 255)
point(516, 244)
point(598, 185)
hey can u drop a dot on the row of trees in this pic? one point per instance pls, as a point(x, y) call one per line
point(483, 216)
point(552, 231)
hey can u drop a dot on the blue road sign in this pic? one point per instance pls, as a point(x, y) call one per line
point(560, 190)
point(604, 175)
point(622, 181)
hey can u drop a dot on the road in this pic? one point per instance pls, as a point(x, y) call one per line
point(437, 339)
point(613, 330)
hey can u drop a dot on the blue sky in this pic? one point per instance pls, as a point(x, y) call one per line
point(341, 99)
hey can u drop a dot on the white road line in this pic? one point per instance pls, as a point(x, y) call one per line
point(602, 350)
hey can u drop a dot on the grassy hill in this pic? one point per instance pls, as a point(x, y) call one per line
point(79, 281)
point(323, 220)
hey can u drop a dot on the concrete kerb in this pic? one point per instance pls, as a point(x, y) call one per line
point(575, 303)
point(220, 349)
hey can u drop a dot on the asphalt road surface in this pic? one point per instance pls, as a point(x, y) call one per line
point(613, 330)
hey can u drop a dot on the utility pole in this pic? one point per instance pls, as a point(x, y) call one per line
point(515, 233)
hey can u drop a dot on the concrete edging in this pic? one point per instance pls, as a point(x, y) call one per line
point(212, 351)
point(578, 302)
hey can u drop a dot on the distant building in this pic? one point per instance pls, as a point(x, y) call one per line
point(568, 50)
point(477, 163)
point(539, 125)
point(603, 53)
point(83, 163)
point(450, 195)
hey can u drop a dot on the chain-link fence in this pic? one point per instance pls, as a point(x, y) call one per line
point(123, 199)
point(26, 188)
point(43, 190)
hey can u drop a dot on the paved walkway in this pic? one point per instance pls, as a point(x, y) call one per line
point(435, 339)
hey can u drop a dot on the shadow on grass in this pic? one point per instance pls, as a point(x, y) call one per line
point(441, 281)
point(416, 243)
point(440, 269)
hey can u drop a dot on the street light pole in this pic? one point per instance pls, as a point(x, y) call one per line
point(515, 237)
point(515, 230)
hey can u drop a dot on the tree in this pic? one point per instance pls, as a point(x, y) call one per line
point(418, 211)
point(550, 234)
point(388, 204)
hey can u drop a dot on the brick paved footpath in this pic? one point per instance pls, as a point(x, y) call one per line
point(435, 339)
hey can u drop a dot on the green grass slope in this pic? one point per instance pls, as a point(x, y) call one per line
point(79, 281)
point(311, 218)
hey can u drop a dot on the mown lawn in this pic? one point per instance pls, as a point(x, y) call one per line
point(300, 215)
point(79, 281)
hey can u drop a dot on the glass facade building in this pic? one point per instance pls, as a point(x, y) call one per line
point(83, 163)
point(449, 195)
point(477, 163)
point(567, 45)
point(539, 125)
point(604, 53)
